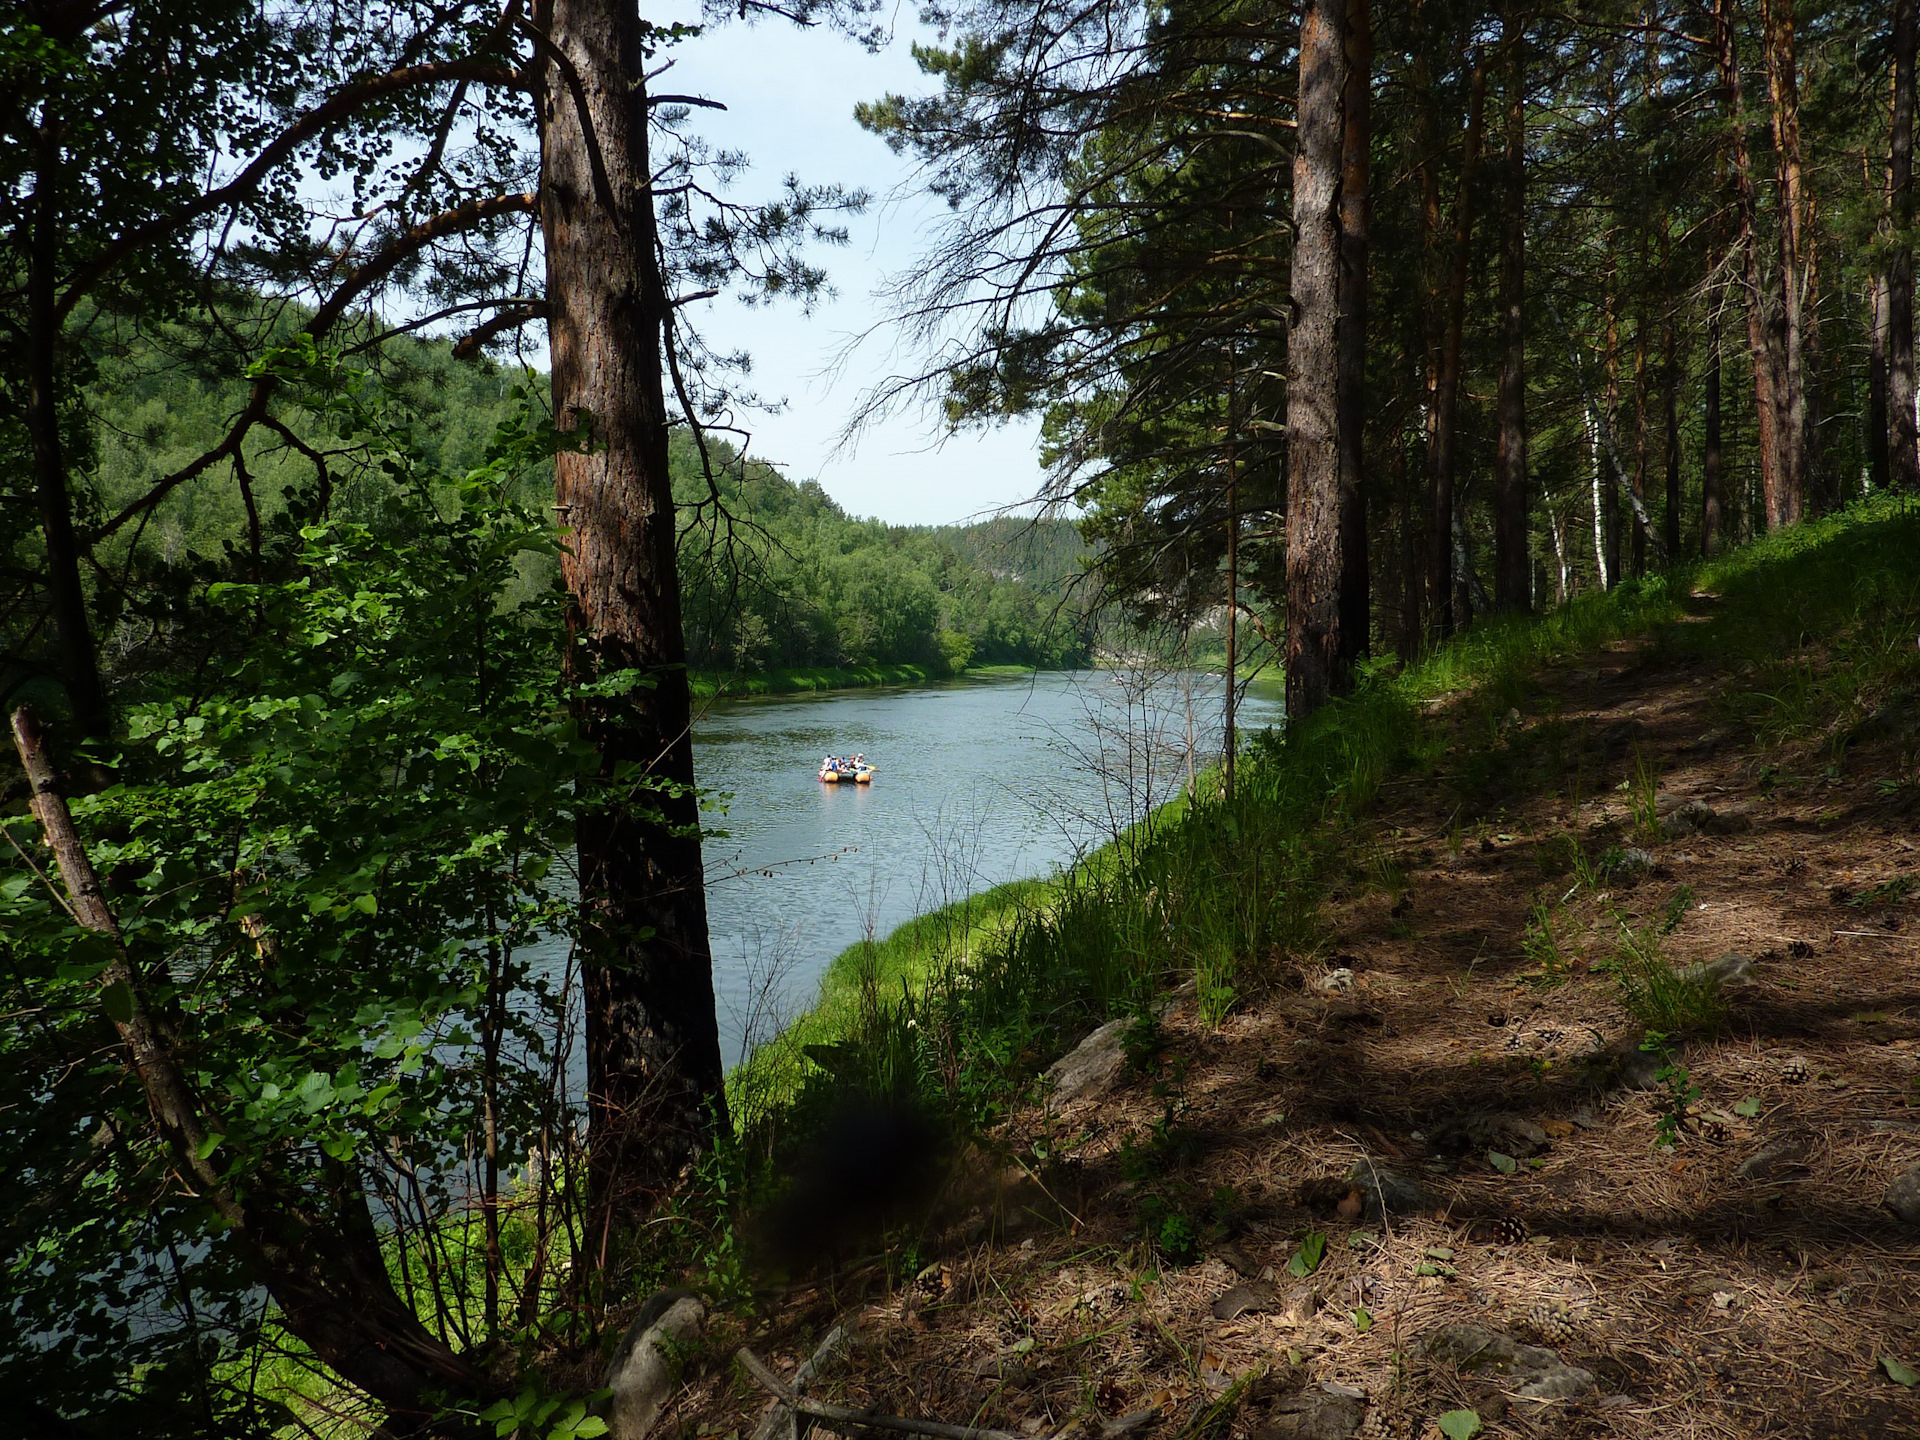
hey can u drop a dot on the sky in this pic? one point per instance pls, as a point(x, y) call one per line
point(790, 95)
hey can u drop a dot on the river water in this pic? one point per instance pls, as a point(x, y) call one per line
point(976, 782)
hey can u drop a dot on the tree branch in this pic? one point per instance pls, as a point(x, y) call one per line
point(316, 122)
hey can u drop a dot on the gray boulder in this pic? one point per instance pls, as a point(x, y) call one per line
point(644, 1368)
point(1312, 1415)
point(1387, 1192)
point(1903, 1196)
point(1724, 972)
point(1526, 1372)
point(1092, 1065)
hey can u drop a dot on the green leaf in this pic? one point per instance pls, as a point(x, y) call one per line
point(1439, 1252)
point(1900, 1374)
point(1362, 1321)
point(1505, 1164)
point(207, 1146)
point(1748, 1108)
point(1460, 1424)
point(1306, 1260)
point(119, 1002)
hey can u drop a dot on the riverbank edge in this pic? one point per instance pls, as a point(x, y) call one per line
point(819, 679)
point(1327, 775)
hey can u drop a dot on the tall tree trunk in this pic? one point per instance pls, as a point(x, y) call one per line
point(1314, 550)
point(1879, 420)
point(1446, 397)
point(1788, 503)
point(1356, 207)
point(1903, 444)
point(1640, 431)
point(67, 598)
point(1512, 573)
point(654, 1080)
point(1608, 416)
point(1712, 481)
point(1428, 616)
point(1765, 324)
point(1670, 401)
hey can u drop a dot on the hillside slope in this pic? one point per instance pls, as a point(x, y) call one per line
point(1589, 1229)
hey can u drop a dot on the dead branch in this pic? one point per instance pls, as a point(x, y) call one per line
point(849, 1422)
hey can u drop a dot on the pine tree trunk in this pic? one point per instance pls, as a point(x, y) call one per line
point(1314, 551)
point(1712, 483)
point(1787, 502)
point(67, 598)
point(1765, 324)
point(1879, 419)
point(1512, 575)
point(1446, 397)
point(1356, 206)
point(653, 1052)
point(1670, 400)
point(1903, 444)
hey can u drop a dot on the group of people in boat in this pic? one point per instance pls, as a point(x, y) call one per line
point(846, 767)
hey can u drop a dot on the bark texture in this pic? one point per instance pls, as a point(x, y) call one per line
point(1512, 575)
point(653, 1051)
point(1356, 216)
point(1446, 397)
point(1314, 551)
point(67, 598)
point(1903, 444)
point(1787, 500)
point(1712, 483)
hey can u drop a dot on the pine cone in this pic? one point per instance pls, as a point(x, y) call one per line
point(1794, 1070)
point(1551, 1320)
point(1714, 1131)
point(1374, 1425)
point(1510, 1230)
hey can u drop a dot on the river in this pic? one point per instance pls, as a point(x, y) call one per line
point(977, 782)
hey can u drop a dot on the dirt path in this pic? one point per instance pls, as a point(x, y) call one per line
point(1459, 1041)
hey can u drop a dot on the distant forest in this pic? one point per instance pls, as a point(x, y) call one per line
point(777, 575)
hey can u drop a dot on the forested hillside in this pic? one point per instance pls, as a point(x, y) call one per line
point(775, 575)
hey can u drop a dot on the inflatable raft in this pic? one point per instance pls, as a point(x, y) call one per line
point(847, 775)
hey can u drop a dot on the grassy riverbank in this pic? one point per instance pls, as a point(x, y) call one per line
point(993, 986)
point(802, 680)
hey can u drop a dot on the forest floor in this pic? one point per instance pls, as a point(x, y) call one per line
point(1192, 1246)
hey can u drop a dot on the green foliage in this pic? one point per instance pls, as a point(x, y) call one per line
point(1665, 1000)
point(1681, 1092)
point(333, 857)
point(1306, 1259)
point(1541, 944)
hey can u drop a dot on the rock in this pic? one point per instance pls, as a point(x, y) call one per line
point(1250, 1298)
point(1132, 1424)
point(1341, 979)
point(644, 1367)
point(1509, 1134)
point(1695, 817)
point(1783, 1158)
point(1300, 1304)
point(1525, 1372)
point(1629, 864)
point(1387, 1191)
point(1903, 1196)
point(1092, 1065)
point(1237, 1260)
point(1312, 1415)
point(1687, 818)
point(1724, 973)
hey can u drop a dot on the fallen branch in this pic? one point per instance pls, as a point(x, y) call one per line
point(778, 1422)
point(838, 1417)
